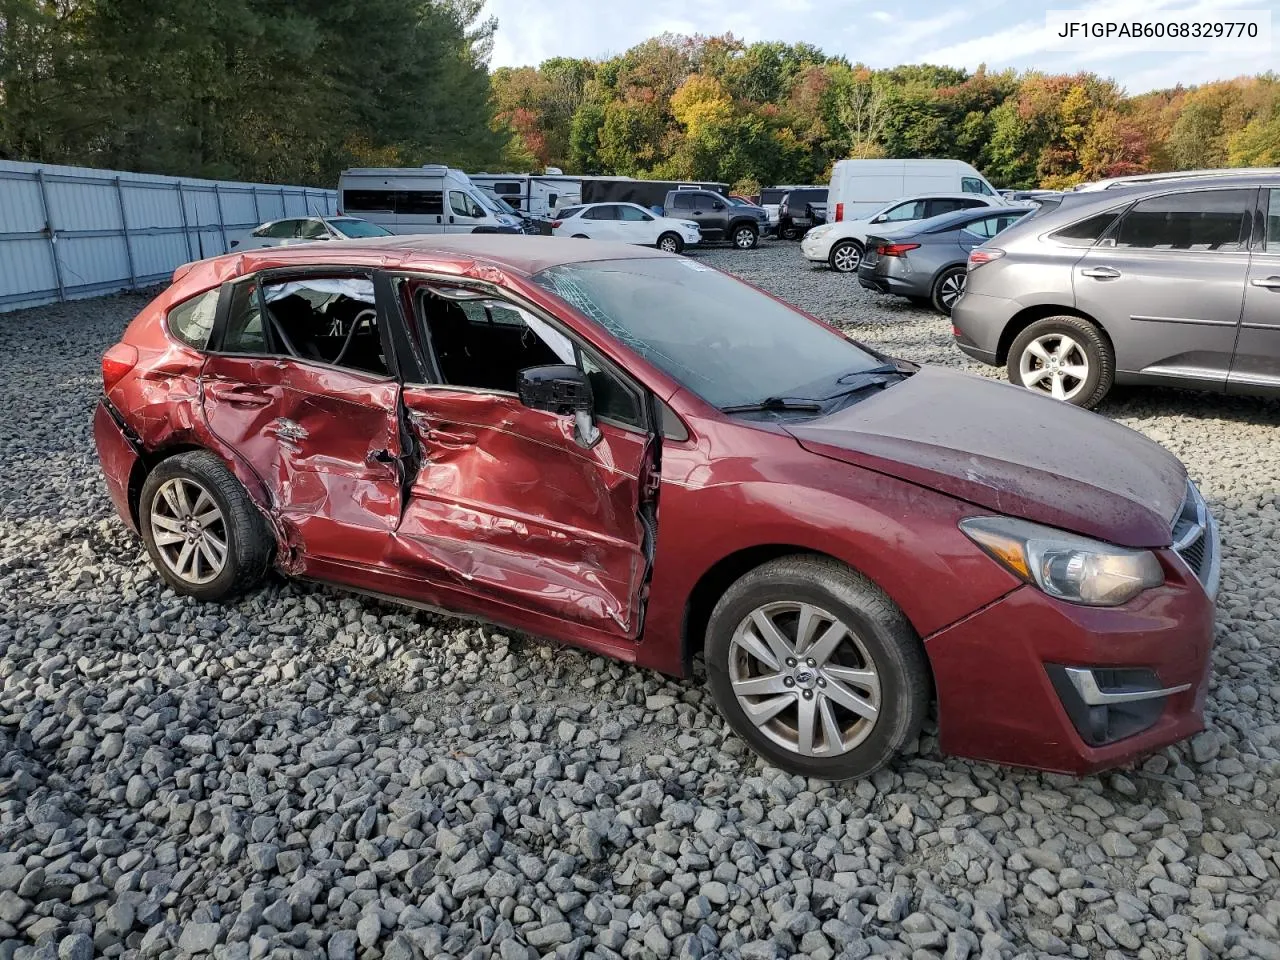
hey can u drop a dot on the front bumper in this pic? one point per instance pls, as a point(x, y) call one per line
point(816, 251)
point(1015, 680)
point(117, 454)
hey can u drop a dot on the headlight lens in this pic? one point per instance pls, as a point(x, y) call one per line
point(1064, 565)
point(819, 232)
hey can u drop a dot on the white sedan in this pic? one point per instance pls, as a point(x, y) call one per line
point(628, 222)
point(285, 233)
point(840, 245)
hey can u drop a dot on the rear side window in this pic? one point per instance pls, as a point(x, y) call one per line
point(282, 229)
point(682, 201)
point(381, 200)
point(1087, 232)
point(568, 212)
point(943, 205)
point(606, 212)
point(192, 320)
point(1200, 221)
point(422, 202)
point(987, 226)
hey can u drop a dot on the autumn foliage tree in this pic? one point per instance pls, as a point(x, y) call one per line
point(716, 108)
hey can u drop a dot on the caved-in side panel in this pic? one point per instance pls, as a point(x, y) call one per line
point(509, 506)
point(162, 395)
point(117, 457)
point(324, 444)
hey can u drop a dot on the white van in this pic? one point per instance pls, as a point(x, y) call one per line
point(533, 194)
point(860, 187)
point(427, 199)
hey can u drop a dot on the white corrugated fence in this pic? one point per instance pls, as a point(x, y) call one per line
point(69, 232)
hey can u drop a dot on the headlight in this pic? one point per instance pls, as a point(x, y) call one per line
point(1064, 565)
point(690, 226)
point(819, 232)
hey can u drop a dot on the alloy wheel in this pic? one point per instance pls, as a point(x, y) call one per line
point(744, 239)
point(804, 678)
point(1054, 364)
point(847, 258)
point(951, 288)
point(189, 530)
point(668, 244)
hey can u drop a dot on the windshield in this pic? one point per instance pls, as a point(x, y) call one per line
point(725, 341)
point(498, 205)
point(355, 229)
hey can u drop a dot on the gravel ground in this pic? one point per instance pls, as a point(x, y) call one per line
point(309, 774)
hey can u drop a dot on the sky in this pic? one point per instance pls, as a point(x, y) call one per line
point(879, 33)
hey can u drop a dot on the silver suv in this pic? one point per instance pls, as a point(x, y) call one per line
point(1174, 283)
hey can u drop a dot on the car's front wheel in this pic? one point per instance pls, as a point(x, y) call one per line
point(816, 668)
point(947, 289)
point(1066, 358)
point(745, 238)
point(202, 531)
point(845, 256)
point(670, 242)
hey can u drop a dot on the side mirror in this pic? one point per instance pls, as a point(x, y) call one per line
point(564, 390)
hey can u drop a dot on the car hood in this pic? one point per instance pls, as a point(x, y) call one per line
point(1011, 452)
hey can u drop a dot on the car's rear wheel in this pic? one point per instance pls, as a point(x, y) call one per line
point(788, 232)
point(745, 238)
point(203, 533)
point(581, 236)
point(1066, 358)
point(845, 256)
point(947, 289)
point(816, 668)
point(670, 242)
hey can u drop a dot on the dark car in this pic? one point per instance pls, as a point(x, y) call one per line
point(1173, 283)
point(718, 217)
point(925, 261)
point(801, 209)
point(631, 452)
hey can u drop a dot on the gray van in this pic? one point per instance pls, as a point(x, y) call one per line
point(1175, 283)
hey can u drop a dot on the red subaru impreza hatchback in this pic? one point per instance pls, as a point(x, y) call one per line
point(631, 452)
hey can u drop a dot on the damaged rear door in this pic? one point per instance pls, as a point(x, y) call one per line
point(508, 508)
point(303, 386)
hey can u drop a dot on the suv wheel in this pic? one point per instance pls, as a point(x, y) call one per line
point(745, 237)
point(1066, 358)
point(203, 533)
point(789, 232)
point(816, 668)
point(670, 242)
point(845, 256)
point(947, 289)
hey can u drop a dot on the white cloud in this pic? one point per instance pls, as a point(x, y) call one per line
point(881, 16)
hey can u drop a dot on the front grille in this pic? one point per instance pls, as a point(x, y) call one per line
point(1191, 540)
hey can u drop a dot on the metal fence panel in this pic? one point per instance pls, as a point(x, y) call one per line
point(68, 232)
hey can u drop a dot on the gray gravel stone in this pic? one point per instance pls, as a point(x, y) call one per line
point(304, 770)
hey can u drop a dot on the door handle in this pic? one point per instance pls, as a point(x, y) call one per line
point(1100, 273)
point(1271, 283)
point(237, 396)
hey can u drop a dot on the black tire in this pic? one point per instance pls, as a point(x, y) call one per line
point(944, 293)
point(671, 243)
point(1093, 345)
point(891, 644)
point(745, 236)
point(249, 543)
point(581, 236)
point(846, 264)
point(789, 232)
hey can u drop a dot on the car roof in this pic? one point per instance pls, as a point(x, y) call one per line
point(958, 218)
point(1080, 204)
point(453, 253)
